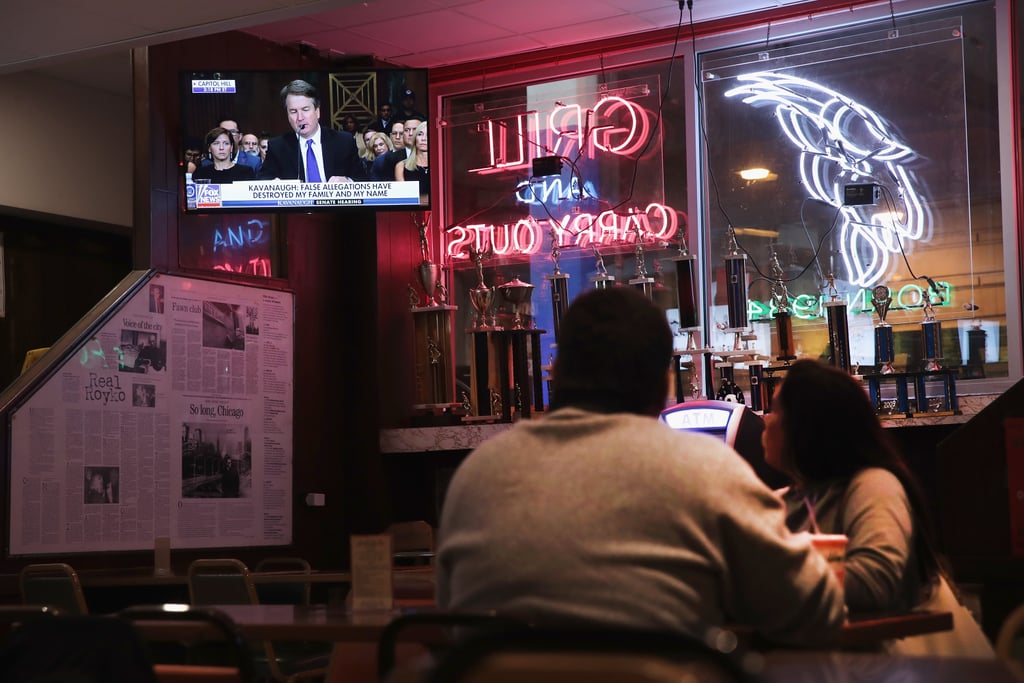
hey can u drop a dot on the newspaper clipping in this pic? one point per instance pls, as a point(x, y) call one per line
point(173, 420)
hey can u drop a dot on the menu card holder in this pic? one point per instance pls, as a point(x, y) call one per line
point(372, 587)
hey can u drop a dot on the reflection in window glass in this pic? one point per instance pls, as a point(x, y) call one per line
point(585, 175)
point(857, 160)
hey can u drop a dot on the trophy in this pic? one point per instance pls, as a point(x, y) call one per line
point(736, 290)
point(602, 280)
point(783, 318)
point(838, 328)
point(642, 281)
point(481, 296)
point(686, 292)
point(517, 293)
point(429, 273)
point(885, 352)
point(931, 336)
point(559, 286)
point(433, 322)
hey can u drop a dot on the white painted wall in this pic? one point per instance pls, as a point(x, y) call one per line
point(67, 148)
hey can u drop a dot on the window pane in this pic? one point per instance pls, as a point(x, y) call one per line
point(614, 144)
point(879, 152)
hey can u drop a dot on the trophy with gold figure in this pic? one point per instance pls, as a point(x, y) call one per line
point(433, 322)
point(481, 297)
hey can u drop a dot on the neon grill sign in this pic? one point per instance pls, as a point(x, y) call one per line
point(616, 127)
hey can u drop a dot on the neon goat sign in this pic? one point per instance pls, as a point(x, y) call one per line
point(841, 140)
point(616, 126)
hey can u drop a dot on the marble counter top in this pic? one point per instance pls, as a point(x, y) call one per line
point(468, 437)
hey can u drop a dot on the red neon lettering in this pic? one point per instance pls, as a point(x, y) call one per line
point(634, 134)
point(257, 266)
point(526, 235)
point(513, 143)
point(564, 125)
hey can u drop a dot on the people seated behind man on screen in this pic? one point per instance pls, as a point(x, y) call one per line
point(239, 156)
point(407, 107)
point(383, 166)
point(385, 117)
point(849, 478)
point(397, 134)
point(350, 124)
point(311, 152)
point(264, 138)
point(378, 146)
point(417, 166)
point(599, 515)
point(405, 151)
point(251, 145)
point(220, 148)
point(193, 155)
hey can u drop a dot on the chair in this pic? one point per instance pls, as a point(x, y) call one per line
point(228, 581)
point(1010, 639)
point(83, 649)
point(13, 616)
point(435, 632)
point(585, 655)
point(53, 584)
point(198, 665)
point(412, 542)
point(291, 593)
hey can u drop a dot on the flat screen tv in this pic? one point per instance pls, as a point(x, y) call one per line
point(320, 105)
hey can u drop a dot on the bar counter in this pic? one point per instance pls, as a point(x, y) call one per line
point(469, 436)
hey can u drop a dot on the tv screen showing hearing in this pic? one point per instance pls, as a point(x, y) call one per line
point(255, 141)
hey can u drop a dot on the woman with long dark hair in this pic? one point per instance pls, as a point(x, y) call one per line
point(849, 478)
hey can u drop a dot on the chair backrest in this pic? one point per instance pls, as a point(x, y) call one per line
point(84, 649)
point(1010, 640)
point(228, 581)
point(412, 543)
point(591, 655)
point(54, 584)
point(221, 581)
point(436, 631)
point(278, 593)
point(417, 535)
point(13, 616)
point(236, 667)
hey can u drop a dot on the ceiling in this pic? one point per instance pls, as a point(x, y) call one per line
point(86, 42)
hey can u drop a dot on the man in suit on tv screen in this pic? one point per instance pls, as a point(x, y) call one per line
point(312, 153)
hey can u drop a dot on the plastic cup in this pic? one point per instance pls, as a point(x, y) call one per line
point(833, 548)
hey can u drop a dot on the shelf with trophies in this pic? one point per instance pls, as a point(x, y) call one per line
point(506, 378)
point(433, 322)
point(928, 392)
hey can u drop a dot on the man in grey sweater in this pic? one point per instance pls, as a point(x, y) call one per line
point(597, 514)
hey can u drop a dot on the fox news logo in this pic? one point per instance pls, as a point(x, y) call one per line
point(208, 195)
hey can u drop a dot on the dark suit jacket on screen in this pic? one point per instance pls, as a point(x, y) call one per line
point(339, 151)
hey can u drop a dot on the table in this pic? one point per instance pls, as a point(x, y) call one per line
point(864, 630)
point(325, 623)
point(794, 666)
point(144, 576)
point(337, 623)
